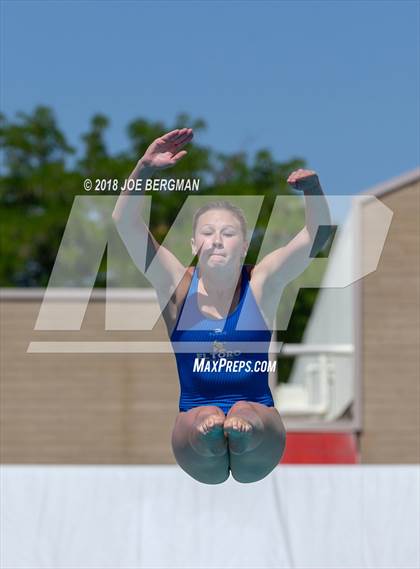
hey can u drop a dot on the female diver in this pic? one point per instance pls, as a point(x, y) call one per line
point(227, 420)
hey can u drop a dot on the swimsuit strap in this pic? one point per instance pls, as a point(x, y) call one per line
point(194, 282)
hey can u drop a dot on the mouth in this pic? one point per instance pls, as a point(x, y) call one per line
point(217, 255)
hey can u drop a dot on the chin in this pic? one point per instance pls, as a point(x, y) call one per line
point(219, 263)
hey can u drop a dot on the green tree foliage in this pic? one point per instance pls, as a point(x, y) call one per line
point(95, 152)
point(38, 185)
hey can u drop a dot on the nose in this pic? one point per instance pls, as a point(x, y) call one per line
point(217, 240)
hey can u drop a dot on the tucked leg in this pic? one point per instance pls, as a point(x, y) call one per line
point(200, 445)
point(257, 439)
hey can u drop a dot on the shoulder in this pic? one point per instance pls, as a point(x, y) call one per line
point(183, 288)
point(249, 268)
point(173, 308)
point(258, 273)
point(262, 296)
point(256, 280)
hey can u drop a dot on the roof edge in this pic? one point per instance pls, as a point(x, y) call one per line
point(394, 183)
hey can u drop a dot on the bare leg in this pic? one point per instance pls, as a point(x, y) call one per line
point(257, 438)
point(200, 445)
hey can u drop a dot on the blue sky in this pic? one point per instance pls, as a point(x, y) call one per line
point(336, 83)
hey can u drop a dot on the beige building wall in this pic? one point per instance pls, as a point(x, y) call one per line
point(390, 325)
point(83, 408)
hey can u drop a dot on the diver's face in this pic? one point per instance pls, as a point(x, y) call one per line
point(219, 239)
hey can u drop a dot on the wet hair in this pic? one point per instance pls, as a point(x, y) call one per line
point(222, 204)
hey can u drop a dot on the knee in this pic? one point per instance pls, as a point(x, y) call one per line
point(212, 409)
point(238, 406)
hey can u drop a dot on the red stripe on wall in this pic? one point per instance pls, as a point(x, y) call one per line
point(321, 448)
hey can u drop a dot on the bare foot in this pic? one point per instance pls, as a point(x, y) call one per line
point(207, 437)
point(243, 434)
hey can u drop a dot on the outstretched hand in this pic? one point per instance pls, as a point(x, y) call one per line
point(303, 179)
point(165, 151)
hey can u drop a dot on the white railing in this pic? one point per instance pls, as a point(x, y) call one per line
point(312, 397)
point(313, 349)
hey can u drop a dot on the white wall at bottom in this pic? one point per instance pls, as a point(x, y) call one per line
point(132, 517)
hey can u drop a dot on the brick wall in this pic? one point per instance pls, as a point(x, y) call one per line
point(390, 337)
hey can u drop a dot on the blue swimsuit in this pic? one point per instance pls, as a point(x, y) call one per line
point(213, 369)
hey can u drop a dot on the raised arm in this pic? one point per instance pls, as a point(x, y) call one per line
point(163, 153)
point(286, 263)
